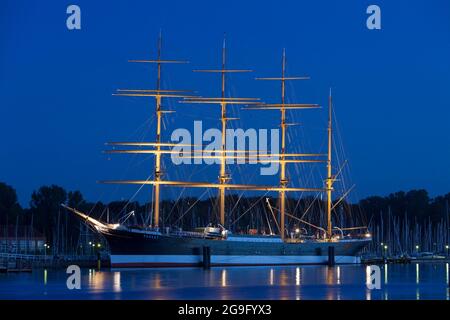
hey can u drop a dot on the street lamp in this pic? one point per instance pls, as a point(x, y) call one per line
point(46, 246)
point(417, 248)
point(385, 250)
point(446, 248)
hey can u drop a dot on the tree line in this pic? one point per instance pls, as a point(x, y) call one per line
point(46, 215)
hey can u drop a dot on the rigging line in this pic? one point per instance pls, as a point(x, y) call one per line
point(240, 196)
point(362, 216)
point(249, 208)
point(184, 188)
point(267, 220)
point(197, 200)
point(310, 205)
point(127, 168)
point(134, 195)
point(116, 188)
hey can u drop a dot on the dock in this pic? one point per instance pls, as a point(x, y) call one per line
point(11, 262)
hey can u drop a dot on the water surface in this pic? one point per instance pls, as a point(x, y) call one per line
point(412, 282)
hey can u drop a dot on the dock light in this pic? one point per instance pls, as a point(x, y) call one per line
point(382, 244)
point(385, 247)
point(98, 245)
point(446, 247)
point(417, 247)
point(368, 235)
point(90, 243)
point(297, 230)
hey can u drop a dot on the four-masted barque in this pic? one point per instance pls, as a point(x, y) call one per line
point(152, 246)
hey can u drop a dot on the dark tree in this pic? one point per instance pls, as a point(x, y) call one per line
point(9, 207)
point(45, 206)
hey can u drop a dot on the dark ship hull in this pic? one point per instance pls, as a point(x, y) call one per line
point(154, 249)
point(145, 247)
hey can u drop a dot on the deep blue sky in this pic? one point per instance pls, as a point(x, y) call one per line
point(391, 86)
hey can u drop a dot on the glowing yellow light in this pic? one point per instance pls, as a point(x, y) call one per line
point(385, 247)
point(368, 235)
point(98, 245)
point(297, 230)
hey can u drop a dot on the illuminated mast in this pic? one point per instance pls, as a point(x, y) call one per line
point(223, 101)
point(283, 106)
point(158, 94)
point(330, 178)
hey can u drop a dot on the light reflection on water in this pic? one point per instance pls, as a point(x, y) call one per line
point(413, 281)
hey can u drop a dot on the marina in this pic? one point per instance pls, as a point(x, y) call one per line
point(234, 155)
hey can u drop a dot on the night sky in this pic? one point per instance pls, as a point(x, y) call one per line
point(391, 86)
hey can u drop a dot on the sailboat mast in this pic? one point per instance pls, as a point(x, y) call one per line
point(283, 180)
point(329, 182)
point(223, 175)
point(158, 140)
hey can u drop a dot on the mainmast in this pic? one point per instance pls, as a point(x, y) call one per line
point(330, 178)
point(224, 177)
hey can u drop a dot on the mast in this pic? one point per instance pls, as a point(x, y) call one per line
point(283, 106)
point(157, 171)
point(223, 175)
point(283, 179)
point(329, 181)
point(158, 94)
point(223, 101)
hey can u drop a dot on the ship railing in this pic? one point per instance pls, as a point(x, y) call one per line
point(191, 234)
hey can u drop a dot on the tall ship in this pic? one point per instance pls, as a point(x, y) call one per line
point(157, 245)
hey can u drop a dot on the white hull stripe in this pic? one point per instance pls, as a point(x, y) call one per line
point(226, 259)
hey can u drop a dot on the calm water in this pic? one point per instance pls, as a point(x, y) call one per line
point(414, 281)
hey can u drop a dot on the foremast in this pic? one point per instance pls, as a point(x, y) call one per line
point(158, 94)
